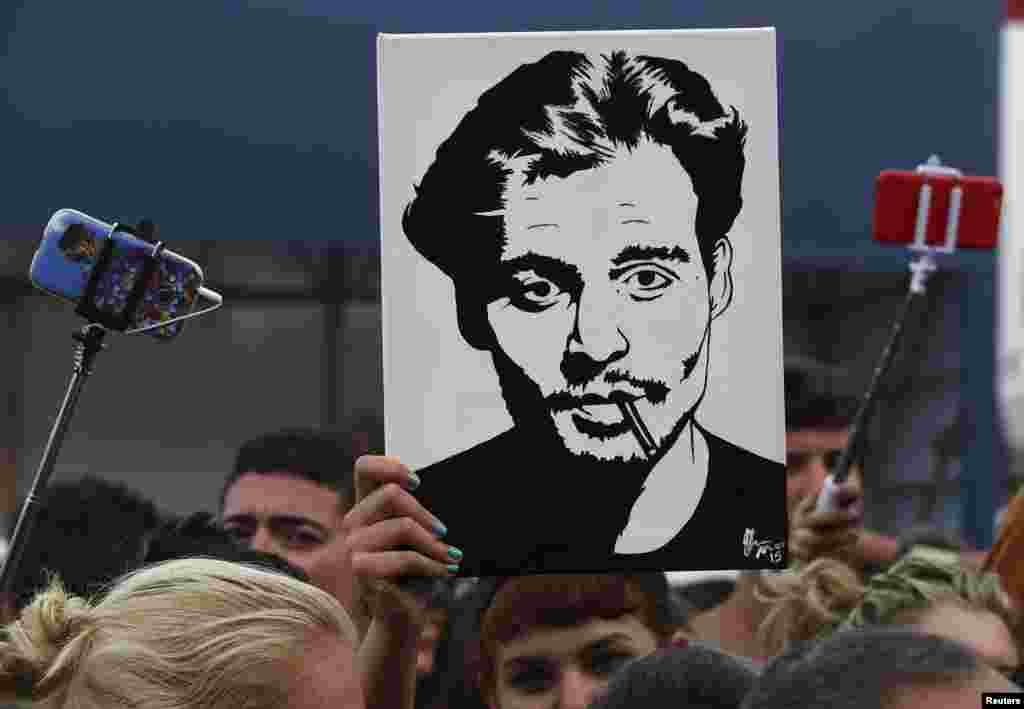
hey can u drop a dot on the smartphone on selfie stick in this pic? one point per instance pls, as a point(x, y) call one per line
point(119, 282)
point(933, 210)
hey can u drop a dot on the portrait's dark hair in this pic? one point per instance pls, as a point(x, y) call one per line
point(816, 396)
point(319, 456)
point(522, 603)
point(565, 113)
point(88, 532)
point(691, 676)
point(862, 668)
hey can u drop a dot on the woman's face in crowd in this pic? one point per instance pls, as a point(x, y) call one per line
point(566, 668)
point(982, 631)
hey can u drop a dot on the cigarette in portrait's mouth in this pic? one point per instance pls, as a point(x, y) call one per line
point(643, 436)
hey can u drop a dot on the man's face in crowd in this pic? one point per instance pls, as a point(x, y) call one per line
point(566, 668)
point(603, 293)
point(295, 519)
point(811, 454)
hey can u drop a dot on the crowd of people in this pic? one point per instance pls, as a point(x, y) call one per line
point(322, 581)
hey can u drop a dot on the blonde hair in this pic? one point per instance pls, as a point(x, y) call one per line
point(195, 633)
point(828, 595)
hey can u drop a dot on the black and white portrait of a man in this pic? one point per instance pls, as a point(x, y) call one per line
point(582, 211)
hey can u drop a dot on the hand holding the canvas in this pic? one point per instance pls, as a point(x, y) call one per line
point(816, 533)
point(390, 536)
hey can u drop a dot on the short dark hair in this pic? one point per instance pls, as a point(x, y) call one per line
point(321, 456)
point(862, 668)
point(89, 532)
point(816, 395)
point(521, 603)
point(680, 676)
point(569, 112)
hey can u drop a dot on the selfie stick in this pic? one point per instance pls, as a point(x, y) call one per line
point(90, 342)
point(922, 265)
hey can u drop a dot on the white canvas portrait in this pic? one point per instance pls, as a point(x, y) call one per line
point(582, 295)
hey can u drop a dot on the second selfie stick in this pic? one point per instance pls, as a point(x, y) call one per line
point(894, 200)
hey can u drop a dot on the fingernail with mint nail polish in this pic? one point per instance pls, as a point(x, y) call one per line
point(412, 482)
point(440, 530)
point(453, 568)
point(455, 553)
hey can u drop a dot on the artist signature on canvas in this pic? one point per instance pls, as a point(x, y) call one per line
point(761, 548)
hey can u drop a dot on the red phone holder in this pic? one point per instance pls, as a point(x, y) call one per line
point(937, 208)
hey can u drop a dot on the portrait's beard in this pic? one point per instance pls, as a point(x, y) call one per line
point(599, 435)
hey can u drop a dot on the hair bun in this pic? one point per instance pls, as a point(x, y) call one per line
point(46, 641)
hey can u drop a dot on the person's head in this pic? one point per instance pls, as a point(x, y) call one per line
point(691, 676)
point(818, 418)
point(185, 634)
point(287, 494)
point(895, 668)
point(89, 531)
point(928, 590)
point(198, 535)
point(582, 210)
point(555, 640)
point(77, 243)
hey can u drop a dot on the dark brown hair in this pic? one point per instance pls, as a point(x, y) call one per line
point(522, 603)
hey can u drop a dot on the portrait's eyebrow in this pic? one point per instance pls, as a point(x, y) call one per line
point(636, 252)
point(545, 266)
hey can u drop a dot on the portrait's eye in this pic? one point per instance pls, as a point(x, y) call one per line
point(646, 282)
point(534, 293)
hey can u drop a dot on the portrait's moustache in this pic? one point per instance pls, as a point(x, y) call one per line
point(634, 390)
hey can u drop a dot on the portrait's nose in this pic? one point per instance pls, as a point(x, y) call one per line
point(577, 689)
point(596, 339)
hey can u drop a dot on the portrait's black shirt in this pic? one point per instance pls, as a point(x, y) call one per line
point(513, 508)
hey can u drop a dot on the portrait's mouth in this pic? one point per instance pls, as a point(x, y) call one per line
point(600, 417)
point(598, 429)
